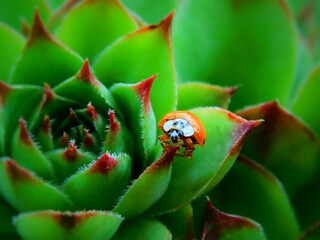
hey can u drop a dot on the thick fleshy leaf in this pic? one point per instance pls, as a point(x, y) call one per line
point(11, 45)
point(218, 225)
point(218, 42)
point(99, 185)
point(68, 161)
point(134, 103)
point(28, 154)
point(44, 59)
point(26, 192)
point(208, 95)
point(143, 228)
point(148, 187)
point(250, 190)
point(85, 88)
point(91, 26)
point(180, 223)
point(307, 99)
point(283, 144)
point(151, 11)
point(118, 138)
point(138, 56)
point(12, 12)
point(15, 102)
point(95, 225)
point(226, 133)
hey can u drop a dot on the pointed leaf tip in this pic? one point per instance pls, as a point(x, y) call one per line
point(5, 89)
point(64, 140)
point(71, 152)
point(24, 135)
point(16, 172)
point(143, 89)
point(86, 75)
point(113, 126)
point(241, 133)
point(48, 94)
point(166, 158)
point(46, 128)
point(91, 111)
point(104, 164)
point(69, 220)
point(88, 140)
point(166, 24)
point(216, 223)
point(38, 30)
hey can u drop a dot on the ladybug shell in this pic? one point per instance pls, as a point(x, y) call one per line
point(199, 130)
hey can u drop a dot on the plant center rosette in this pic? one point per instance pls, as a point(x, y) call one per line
point(81, 156)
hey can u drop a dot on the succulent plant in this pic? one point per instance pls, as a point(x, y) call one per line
point(85, 84)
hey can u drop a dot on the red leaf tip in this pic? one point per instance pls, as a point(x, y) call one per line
point(215, 222)
point(113, 126)
point(71, 152)
point(143, 89)
point(166, 24)
point(64, 140)
point(46, 124)
point(86, 75)
point(48, 94)
point(88, 140)
point(24, 135)
point(91, 111)
point(5, 89)
point(104, 164)
point(38, 30)
point(166, 158)
point(16, 172)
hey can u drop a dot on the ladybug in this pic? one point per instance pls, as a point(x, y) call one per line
point(182, 128)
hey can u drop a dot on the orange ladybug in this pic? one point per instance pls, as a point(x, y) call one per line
point(182, 128)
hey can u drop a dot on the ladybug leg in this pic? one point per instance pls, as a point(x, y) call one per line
point(189, 147)
point(165, 141)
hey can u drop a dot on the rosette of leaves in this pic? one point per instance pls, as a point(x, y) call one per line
point(84, 86)
point(80, 102)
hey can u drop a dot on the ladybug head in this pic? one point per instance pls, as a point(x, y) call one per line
point(175, 134)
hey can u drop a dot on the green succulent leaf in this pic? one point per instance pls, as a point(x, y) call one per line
point(95, 225)
point(138, 56)
point(133, 101)
point(306, 99)
point(44, 59)
point(197, 175)
point(148, 187)
point(118, 138)
point(28, 154)
point(85, 82)
point(143, 228)
point(183, 216)
point(99, 185)
point(26, 192)
point(151, 11)
point(9, 55)
point(110, 21)
point(16, 101)
point(274, 142)
point(68, 161)
point(210, 95)
point(218, 42)
point(219, 225)
point(251, 190)
point(12, 12)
